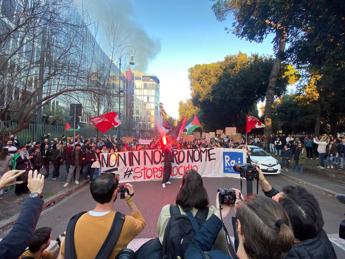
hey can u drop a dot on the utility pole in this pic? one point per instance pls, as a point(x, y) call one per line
point(74, 122)
point(119, 93)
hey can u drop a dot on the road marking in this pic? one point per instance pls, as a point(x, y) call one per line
point(335, 239)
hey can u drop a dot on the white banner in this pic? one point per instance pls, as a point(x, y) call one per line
point(147, 165)
point(145, 141)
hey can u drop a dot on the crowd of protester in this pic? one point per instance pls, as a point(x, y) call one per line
point(80, 158)
point(286, 224)
point(329, 150)
point(278, 224)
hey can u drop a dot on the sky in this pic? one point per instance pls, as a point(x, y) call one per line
point(168, 38)
point(189, 34)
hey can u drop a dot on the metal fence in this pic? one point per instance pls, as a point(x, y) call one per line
point(34, 132)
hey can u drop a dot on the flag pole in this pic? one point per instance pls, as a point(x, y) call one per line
point(246, 130)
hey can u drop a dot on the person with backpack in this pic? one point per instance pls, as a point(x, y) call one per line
point(263, 227)
point(175, 230)
point(103, 232)
point(306, 219)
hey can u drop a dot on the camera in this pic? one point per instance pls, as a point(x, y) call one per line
point(226, 196)
point(123, 190)
point(58, 239)
point(247, 171)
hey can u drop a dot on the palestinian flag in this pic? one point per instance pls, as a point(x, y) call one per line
point(193, 125)
point(67, 126)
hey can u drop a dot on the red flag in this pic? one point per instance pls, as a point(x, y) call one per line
point(67, 126)
point(253, 123)
point(106, 121)
point(181, 129)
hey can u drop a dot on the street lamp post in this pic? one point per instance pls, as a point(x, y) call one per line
point(119, 93)
point(131, 62)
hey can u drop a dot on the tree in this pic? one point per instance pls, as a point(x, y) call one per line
point(42, 54)
point(292, 116)
point(241, 84)
point(254, 20)
point(187, 109)
point(320, 41)
point(203, 77)
point(315, 33)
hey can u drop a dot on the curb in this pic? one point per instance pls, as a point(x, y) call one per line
point(328, 191)
point(51, 201)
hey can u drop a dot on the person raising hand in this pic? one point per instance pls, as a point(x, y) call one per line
point(16, 241)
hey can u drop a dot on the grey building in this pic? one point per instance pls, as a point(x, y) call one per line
point(44, 59)
point(146, 103)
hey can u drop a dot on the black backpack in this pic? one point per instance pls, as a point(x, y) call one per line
point(109, 243)
point(152, 249)
point(179, 232)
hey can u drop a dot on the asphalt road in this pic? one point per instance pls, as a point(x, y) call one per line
point(150, 198)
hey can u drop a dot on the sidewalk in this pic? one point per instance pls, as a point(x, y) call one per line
point(331, 181)
point(54, 192)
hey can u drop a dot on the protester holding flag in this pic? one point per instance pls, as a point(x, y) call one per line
point(168, 160)
point(253, 123)
point(193, 125)
point(106, 121)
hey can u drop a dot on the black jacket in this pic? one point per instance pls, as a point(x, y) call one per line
point(315, 248)
point(318, 247)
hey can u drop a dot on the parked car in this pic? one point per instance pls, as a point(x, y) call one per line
point(267, 163)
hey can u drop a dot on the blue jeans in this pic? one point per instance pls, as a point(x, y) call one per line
point(322, 158)
point(298, 168)
point(331, 160)
point(341, 161)
point(272, 148)
point(96, 173)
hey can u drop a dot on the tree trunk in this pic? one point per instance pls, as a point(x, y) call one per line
point(41, 72)
point(275, 72)
point(317, 120)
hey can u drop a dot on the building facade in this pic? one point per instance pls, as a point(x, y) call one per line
point(146, 103)
point(43, 61)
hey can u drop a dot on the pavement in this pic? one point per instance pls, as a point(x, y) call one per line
point(150, 198)
point(62, 203)
point(54, 192)
point(328, 180)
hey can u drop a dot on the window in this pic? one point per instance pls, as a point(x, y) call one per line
point(259, 152)
point(7, 9)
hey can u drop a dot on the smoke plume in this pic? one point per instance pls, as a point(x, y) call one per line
point(113, 24)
